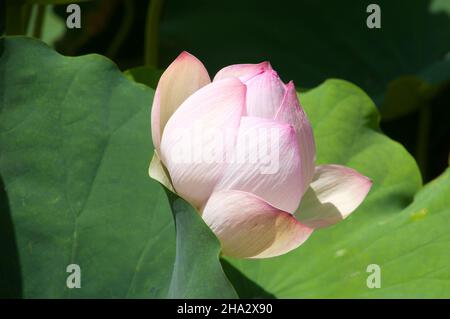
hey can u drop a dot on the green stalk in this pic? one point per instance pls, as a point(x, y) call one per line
point(40, 16)
point(124, 29)
point(26, 16)
point(423, 136)
point(152, 32)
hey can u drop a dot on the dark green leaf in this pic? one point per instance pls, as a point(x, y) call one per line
point(144, 74)
point(75, 149)
point(196, 273)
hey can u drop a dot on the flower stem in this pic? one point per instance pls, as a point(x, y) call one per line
point(40, 16)
point(152, 32)
point(124, 29)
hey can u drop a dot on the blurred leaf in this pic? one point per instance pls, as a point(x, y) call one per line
point(409, 242)
point(407, 94)
point(52, 1)
point(75, 149)
point(312, 40)
point(144, 74)
point(440, 5)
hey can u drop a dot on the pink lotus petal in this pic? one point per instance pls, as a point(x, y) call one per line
point(242, 71)
point(335, 192)
point(194, 144)
point(249, 227)
point(266, 163)
point(183, 77)
point(292, 113)
point(265, 93)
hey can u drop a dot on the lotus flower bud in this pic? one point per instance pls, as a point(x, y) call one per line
point(240, 149)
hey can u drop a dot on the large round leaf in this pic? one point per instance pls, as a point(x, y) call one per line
point(75, 148)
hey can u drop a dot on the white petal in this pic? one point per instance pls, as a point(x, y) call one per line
point(249, 227)
point(335, 192)
point(266, 162)
point(183, 77)
point(158, 172)
point(242, 71)
point(265, 93)
point(199, 136)
point(292, 113)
